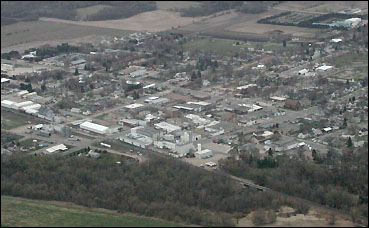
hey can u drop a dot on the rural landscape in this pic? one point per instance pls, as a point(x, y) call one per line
point(184, 113)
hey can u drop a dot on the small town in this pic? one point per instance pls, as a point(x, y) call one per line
point(234, 107)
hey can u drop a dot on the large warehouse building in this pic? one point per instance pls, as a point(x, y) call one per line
point(100, 129)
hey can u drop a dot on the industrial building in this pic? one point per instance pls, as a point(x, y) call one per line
point(100, 129)
point(203, 154)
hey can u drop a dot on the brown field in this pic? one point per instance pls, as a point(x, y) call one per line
point(243, 27)
point(41, 31)
point(153, 21)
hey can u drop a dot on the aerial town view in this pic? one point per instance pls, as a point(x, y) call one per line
point(184, 113)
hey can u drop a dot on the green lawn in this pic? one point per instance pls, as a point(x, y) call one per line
point(102, 116)
point(226, 46)
point(219, 46)
point(347, 59)
point(29, 144)
point(10, 122)
point(25, 212)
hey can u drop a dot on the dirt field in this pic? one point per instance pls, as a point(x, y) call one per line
point(153, 21)
point(28, 32)
point(312, 219)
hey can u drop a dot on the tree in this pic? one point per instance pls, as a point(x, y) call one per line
point(76, 72)
point(345, 122)
point(28, 80)
point(198, 74)
point(314, 154)
point(43, 87)
point(349, 142)
point(284, 43)
point(193, 76)
point(270, 152)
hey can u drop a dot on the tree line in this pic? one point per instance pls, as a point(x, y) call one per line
point(162, 187)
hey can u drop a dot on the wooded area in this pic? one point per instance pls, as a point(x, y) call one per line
point(334, 180)
point(161, 187)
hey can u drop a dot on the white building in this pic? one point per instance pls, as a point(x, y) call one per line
point(203, 154)
point(21, 104)
point(7, 103)
point(100, 129)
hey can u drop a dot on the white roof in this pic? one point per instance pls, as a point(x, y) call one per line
point(202, 103)
point(278, 98)
point(33, 106)
point(246, 86)
point(167, 126)
point(267, 133)
point(4, 80)
point(133, 106)
point(336, 40)
point(7, 102)
point(149, 86)
point(22, 92)
point(203, 151)
point(324, 68)
point(327, 129)
point(94, 126)
point(303, 71)
point(182, 107)
point(56, 148)
point(22, 104)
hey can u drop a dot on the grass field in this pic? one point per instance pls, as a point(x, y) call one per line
point(29, 144)
point(349, 58)
point(219, 46)
point(10, 121)
point(225, 46)
point(26, 32)
point(167, 5)
point(102, 116)
point(25, 212)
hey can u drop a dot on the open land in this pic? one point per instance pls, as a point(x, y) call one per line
point(46, 31)
point(25, 212)
point(153, 21)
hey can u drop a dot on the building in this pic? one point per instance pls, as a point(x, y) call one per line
point(100, 129)
point(92, 154)
point(292, 104)
point(7, 103)
point(167, 127)
point(246, 89)
point(203, 154)
point(57, 148)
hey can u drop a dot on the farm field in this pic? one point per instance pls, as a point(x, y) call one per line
point(153, 21)
point(27, 32)
point(25, 212)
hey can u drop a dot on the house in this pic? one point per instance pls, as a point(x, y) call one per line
point(292, 104)
point(92, 154)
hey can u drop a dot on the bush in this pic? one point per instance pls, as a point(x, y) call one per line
point(262, 217)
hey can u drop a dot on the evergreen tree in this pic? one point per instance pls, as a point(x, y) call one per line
point(76, 72)
point(284, 43)
point(43, 87)
point(349, 142)
point(270, 152)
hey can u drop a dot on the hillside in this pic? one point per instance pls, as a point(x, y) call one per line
point(17, 211)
